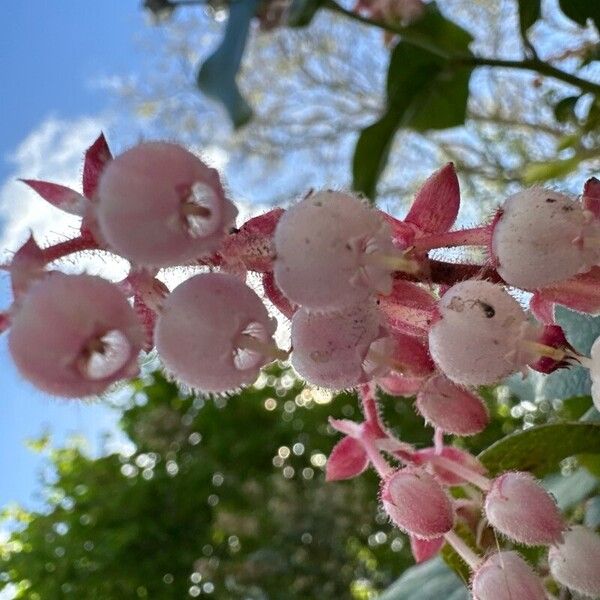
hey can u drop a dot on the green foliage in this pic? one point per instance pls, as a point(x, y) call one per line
point(432, 579)
point(301, 12)
point(581, 10)
point(529, 13)
point(227, 492)
point(540, 449)
point(426, 90)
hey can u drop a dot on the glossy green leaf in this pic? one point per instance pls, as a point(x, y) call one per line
point(428, 581)
point(424, 92)
point(301, 12)
point(217, 75)
point(581, 10)
point(529, 13)
point(540, 449)
point(435, 33)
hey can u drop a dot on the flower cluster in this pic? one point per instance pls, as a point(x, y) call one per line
point(368, 307)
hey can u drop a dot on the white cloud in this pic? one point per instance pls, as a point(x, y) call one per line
point(53, 152)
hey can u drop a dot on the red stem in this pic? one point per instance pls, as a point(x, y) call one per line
point(67, 247)
point(371, 410)
point(478, 236)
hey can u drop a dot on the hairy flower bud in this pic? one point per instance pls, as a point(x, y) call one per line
point(575, 562)
point(478, 339)
point(214, 333)
point(331, 350)
point(417, 503)
point(506, 576)
point(159, 205)
point(74, 335)
point(332, 252)
point(520, 508)
point(543, 237)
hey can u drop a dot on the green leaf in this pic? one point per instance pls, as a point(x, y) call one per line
point(424, 91)
point(564, 110)
point(216, 77)
point(552, 169)
point(428, 581)
point(581, 10)
point(438, 35)
point(540, 449)
point(529, 13)
point(301, 12)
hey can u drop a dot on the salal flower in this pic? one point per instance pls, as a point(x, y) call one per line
point(543, 237)
point(520, 508)
point(451, 408)
point(214, 333)
point(75, 335)
point(479, 337)
point(332, 252)
point(417, 503)
point(159, 205)
point(339, 350)
point(575, 562)
point(506, 576)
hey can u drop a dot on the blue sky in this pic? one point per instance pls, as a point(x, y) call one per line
point(52, 55)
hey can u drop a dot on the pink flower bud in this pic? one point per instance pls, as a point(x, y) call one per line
point(74, 335)
point(520, 508)
point(214, 333)
point(416, 503)
point(506, 576)
point(159, 205)
point(575, 562)
point(451, 408)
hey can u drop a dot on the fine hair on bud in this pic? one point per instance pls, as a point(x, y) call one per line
point(75, 335)
point(543, 237)
point(506, 576)
point(332, 349)
point(332, 252)
point(521, 509)
point(159, 205)
point(478, 337)
point(214, 333)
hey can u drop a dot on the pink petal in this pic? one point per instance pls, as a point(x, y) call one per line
point(542, 309)
point(581, 293)
point(412, 356)
point(591, 196)
point(26, 266)
point(403, 234)
point(553, 336)
point(423, 550)
point(409, 308)
point(461, 457)
point(59, 196)
point(347, 427)
point(399, 385)
point(275, 295)
point(96, 157)
point(347, 460)
point(4, 322)
point(437, 202)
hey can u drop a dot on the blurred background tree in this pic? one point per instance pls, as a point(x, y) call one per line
point(226, 497)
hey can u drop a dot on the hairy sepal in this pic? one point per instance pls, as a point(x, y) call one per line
point(348, 459)
point(59, 196)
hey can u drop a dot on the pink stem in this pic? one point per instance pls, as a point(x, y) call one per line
point(467, 474)
point(67, 247)
point(438, 440)
point(371, 409)
point(379, 463)
point(461, 548)
point(478, 236)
